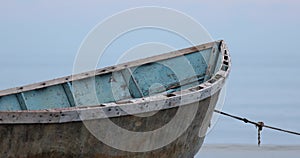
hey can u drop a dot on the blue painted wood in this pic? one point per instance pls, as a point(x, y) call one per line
point(206, 54)
point(134, 82)
point(165, 74)
point(150, 74)
point(93, 91)
point(22, 101)
point(219, 63)
point(69, 93)
point(212, 62)
point(46, 98)
point(84, 92)
point(133, 87)
point(198, 63)
point(9, 103)
point(119, 86)
point(185, 67)
point(103, 88)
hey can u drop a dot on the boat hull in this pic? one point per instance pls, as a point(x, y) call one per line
point(137, 109)
point(74, 139)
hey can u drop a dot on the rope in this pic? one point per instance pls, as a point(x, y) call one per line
point(258, 125)
point(259, 129)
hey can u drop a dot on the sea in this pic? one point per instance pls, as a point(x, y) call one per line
point(263, 86)
point(248, 151)
point(40, 41)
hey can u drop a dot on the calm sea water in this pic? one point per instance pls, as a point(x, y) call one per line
point(40, 41)
point(248, 151)
point(263, 86)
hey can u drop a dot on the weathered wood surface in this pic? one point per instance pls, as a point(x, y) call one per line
point(74, 140)
point(174, 71)
point(129, 83)
point(29, 128)
point(107, 69)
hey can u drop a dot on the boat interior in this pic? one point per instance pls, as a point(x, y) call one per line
point(165, 73)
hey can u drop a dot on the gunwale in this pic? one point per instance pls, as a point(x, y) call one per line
point(105, 70)
point(72, 114)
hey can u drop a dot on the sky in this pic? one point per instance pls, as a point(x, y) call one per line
point(46, 32)
point(39, 41)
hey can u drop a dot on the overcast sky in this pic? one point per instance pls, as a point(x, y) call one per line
point(39, 41)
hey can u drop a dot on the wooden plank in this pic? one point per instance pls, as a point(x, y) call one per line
point(46, 98)
point(9, 103)
point(134, 86)
point(214, 55)
point(106, 69)
point(119, 87)
point(68, 90)
point(22, 102)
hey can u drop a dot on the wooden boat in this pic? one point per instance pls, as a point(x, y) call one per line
point(164, 103)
